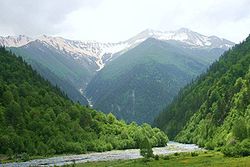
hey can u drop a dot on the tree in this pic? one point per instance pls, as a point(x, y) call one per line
point(85, 119)
point(1, 116)
point(13, 114)
point(111, 118)
point(37, 119)
point(146, 148)
point(7, 97)
point(240, 129)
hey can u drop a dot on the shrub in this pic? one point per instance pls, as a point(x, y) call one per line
point(210, 145)
point(239, 149)
point(166, 157)
point(146, 148)
point(109, 147)
point(24, 157)
point(75, 148)
point(157, 157)
point(240, 129)
point(245, 147)
point(9, 153)
point(229, 151)
point(193, 154)
point(176, 154)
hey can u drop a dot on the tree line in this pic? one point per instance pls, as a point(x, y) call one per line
point(36, 118)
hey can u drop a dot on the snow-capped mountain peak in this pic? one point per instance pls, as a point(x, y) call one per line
point(78, 49)
point(15, 41)
point(184, 35)
point(100, 53)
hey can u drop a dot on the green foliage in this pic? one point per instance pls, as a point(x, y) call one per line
point(157, 157)
point(111, 118)
point(240, 129)
point(37, 119)
point(67, 74)
point(214, 111)
point(176, 154)
point(146, 148)
point(166, 157)
point(138, 84)
point(194, 154)
point(7, 97)
point(238, 149)
point(25, 157)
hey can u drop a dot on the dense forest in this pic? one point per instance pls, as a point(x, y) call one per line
point(56, 67)
point(214, 110)
point(37, 119)
point(138, 84)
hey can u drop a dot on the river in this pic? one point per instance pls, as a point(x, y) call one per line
point(171, 148)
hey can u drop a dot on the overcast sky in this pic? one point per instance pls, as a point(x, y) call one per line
point(116, 20)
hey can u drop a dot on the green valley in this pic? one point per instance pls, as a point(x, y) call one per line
point(68, 74)
point(38, 119)
point(133, 79)
point(214, 110)
point(138, 84)
point(128, 83)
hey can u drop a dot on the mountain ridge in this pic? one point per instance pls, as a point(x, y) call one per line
point(214, 110)
point(78, 63)
point(142, 81)
point(36, 118)
point(99, 52)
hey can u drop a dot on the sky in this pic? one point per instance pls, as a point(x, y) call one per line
point(118, 20)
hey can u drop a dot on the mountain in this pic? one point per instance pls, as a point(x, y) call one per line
point(66, 63)
point(74, 66)
point(139, 83)
point(37, 119)
point(15, 41)
point(70, 75)
point(98, 53)
point(92, 52)
point(186, 36)
point(214, 110)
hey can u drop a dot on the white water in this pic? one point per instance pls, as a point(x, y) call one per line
point(171, 148)
point(89, 101)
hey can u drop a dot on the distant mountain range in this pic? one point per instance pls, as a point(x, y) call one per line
point(111, 73)
point(99, 53)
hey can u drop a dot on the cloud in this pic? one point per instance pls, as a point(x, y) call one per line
point(31, 17)
point(115, 20)
point(225, 18)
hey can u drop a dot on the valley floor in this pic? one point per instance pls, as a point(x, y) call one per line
point(173, 155)
point(203, 159)
point(171, 148)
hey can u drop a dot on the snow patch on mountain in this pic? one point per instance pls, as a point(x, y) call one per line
point(186, 36)
point(96, 52)
point(15, 41)
point(78, 49)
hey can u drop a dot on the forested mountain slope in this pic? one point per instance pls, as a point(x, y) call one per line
point(60, 69)
point(37, 119)
point(71, 64)
point(214, 110)
point(138, 84)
